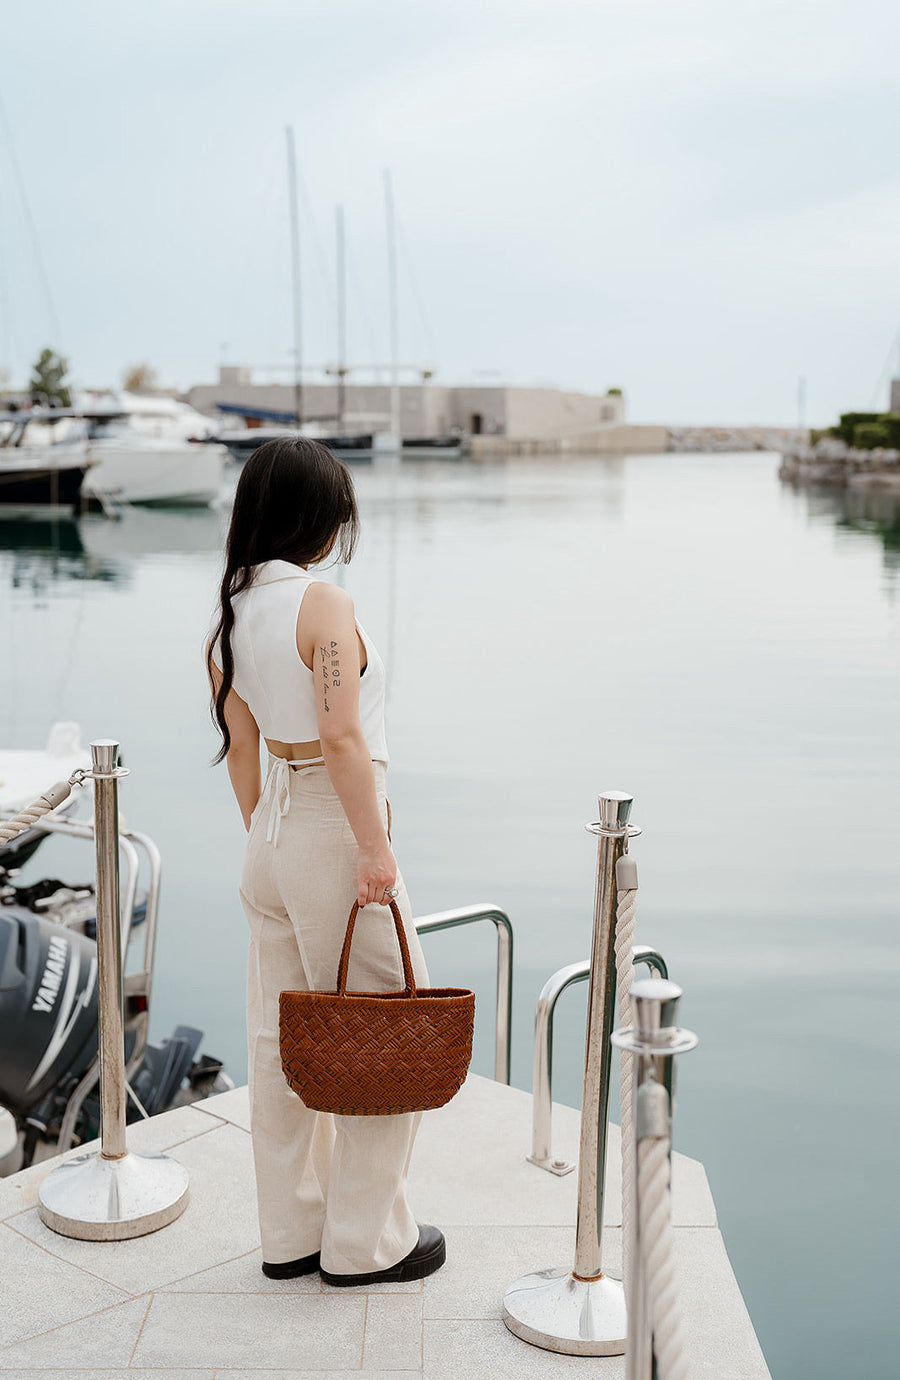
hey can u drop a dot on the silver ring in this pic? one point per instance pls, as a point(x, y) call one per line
point(391, 891)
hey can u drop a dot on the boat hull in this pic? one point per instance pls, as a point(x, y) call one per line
point(41, 486)
point(438, 447)
point(156, 473)
point(346, 447)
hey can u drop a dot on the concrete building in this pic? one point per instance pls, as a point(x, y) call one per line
point(426, 408)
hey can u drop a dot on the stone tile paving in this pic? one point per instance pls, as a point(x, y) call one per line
point(191, 1300)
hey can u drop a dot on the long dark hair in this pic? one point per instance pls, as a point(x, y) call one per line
point(294, 502)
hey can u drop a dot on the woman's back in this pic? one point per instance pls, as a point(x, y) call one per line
point(269, 672)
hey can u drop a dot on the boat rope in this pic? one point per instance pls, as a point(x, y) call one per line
point(52, 797)
point(656, 1241)
point(626, 912)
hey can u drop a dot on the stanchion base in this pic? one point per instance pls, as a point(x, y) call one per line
point(94, 1199)
point(558, 1167)
point(554, 1310)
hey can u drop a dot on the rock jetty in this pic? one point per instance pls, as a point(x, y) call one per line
point(719, 439)
point(832, 461)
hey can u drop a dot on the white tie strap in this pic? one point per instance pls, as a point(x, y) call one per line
point(278, 790)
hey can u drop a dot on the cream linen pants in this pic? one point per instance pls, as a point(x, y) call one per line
point(331, 1183)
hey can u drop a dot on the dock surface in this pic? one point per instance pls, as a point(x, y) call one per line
point(191, 1302)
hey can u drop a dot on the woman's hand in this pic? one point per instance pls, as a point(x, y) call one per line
point(376, 871)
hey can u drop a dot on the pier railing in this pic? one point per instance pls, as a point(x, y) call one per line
point(471, 915)
point(542, 1101)
point(582, 1310)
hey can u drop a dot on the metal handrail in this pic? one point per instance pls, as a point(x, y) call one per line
point(542, 1102)
point(84, 829)
point(468, 915)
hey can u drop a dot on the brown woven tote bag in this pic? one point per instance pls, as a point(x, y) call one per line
point(376, 1053)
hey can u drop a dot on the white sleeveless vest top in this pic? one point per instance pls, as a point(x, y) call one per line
point(269, 673)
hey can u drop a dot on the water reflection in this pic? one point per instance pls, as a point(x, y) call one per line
point(44, 551)
point(37, 552)
point(155, 532)
point(865, 512)
point(876, 512)
point(493, 490)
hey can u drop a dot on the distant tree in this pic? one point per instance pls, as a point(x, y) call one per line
point(614, 392)
point(139, 378)
point(47, 383)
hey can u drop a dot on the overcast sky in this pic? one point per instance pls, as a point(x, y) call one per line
point(695, 200)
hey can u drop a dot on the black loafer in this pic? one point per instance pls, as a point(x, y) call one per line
point(290, 1269)
point(426, 1256)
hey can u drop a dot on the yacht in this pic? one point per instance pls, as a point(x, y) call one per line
point(150, 450)
point(346, 445)
point(44, 475)
point(131, 449)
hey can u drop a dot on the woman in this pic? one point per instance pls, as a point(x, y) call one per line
point(288, 662)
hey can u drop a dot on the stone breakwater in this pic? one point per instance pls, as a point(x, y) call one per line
point(832, 461)
point(713, 439)
point(630, 439)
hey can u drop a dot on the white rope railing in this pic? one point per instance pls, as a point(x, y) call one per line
point(656, 1241)
point(626, 914)
point(52, 797)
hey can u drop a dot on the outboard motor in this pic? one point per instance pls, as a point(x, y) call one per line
point(48, 1007)
point(48, 1034)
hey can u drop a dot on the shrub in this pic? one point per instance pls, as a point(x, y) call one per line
point(868, 435)
point(850, 421)
point(891, 421)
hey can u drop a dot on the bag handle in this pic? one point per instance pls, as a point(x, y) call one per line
point(409, 979)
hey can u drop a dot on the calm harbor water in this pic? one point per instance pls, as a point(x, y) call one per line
point(682, 627)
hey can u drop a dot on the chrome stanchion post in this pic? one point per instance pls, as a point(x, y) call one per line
point(113, 1093)
point(653, 1039)
point(115, 1193)
point(614, 811)
point(581, 1312)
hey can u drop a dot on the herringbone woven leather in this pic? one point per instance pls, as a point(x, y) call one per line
point(376, 1053)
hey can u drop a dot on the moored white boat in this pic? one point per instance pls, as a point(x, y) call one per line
point(132, 468)
point(133, 453)
point(26, 772)
point(43, 468)
point(150, 450)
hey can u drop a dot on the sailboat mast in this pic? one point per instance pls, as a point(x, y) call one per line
point(392, 300)
point(341, 313)
point(295, 271)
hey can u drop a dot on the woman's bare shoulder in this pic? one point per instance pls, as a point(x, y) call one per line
point(326, 612)
point(323, 599)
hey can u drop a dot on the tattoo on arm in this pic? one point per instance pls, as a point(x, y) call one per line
point(331, 672)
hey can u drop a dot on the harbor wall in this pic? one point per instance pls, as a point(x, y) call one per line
point(602, 440)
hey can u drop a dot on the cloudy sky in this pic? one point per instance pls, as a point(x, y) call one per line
point(694, 200)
